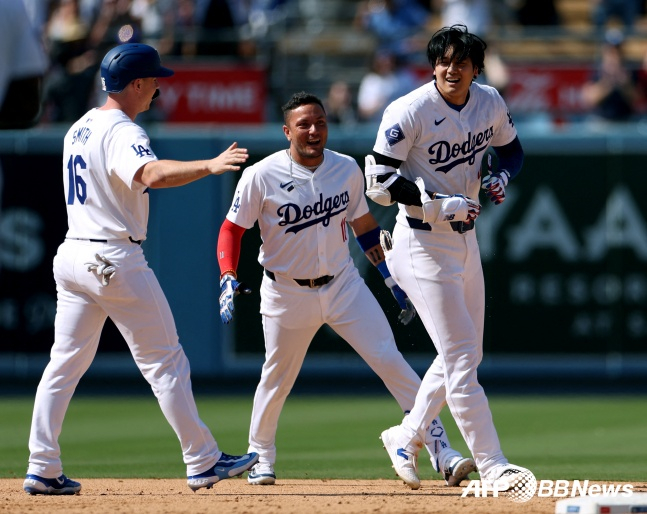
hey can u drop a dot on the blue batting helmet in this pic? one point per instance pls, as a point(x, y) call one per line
point(130, 61)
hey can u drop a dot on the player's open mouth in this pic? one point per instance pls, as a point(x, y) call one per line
point(315, 142)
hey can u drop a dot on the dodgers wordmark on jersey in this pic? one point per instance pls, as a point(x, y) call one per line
point(294, 206)
point(440, 144)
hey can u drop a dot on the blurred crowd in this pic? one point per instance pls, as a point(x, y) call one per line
point(77, 33)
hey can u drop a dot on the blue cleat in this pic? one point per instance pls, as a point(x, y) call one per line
point(34, 484)
point(228, 466)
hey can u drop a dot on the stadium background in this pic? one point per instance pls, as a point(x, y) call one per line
point(564, 257)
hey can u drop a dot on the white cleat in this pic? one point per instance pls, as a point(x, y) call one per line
point(506, 477)
point(261, 474)
point(404, 457)
point(459, 469)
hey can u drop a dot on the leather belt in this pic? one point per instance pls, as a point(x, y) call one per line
point(103, 240)
point(457, 226)
point(309, 282)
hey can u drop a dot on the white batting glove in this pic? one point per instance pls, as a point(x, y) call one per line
point(229, 289)
point(473, 208)
point(385, 241)
point(494, 186)
point(103, 267)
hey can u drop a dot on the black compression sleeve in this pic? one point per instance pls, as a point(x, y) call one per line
point(386, 161)
point(402, 190)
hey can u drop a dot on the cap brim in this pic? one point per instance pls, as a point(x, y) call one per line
point(165, 72)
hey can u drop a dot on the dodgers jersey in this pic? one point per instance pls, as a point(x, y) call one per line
point(301, 215)
point(102, 152)
point(440, 144)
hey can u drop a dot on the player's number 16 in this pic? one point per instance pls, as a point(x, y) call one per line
point(77, 184)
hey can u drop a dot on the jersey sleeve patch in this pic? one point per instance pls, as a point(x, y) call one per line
point(394, 134)
point(141, 150)
point(510, 122)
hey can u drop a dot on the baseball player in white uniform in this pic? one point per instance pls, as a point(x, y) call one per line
point(303, 198)
point(100, 271)
point(427, 158)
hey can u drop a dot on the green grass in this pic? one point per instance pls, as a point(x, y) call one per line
point(595, 438)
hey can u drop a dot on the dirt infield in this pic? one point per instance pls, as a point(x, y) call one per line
point(236, 496)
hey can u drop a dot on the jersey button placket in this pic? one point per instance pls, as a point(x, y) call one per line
point(321, 244)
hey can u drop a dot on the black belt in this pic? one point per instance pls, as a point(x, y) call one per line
point(103, 240)
point(457, 226)
point(310, 282)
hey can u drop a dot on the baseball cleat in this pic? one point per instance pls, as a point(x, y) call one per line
point(505, 477)
point(404, 457)
point(34, 484)
point(458, 470)
point(228, 466)
point(261, 474)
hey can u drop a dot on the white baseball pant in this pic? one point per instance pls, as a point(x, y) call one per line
point(292, 314)
point(442, 274)
point(136, 303)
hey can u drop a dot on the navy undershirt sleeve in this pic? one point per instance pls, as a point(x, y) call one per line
point(510, 157)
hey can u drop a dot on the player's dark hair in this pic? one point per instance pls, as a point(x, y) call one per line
point(299, 99)
point(462, 45)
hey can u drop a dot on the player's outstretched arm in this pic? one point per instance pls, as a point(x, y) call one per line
point(168, 173)
point(367, 232)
